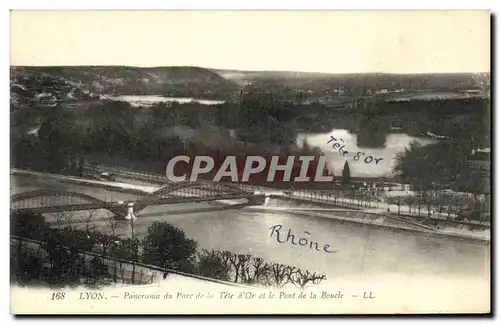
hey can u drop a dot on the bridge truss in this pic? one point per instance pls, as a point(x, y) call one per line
point(46, 201)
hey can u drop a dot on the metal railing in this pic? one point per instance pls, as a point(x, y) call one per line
point(133, 175)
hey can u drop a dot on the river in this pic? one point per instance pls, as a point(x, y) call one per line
point(363, 251)
point(149, 100)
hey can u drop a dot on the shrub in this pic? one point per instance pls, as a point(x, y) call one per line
point(167, 246)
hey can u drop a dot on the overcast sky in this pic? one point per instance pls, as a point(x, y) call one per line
point(313, 41)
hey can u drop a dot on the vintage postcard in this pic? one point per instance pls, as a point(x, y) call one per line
point(250, 162)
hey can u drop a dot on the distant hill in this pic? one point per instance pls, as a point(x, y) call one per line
point(320, 82)
point(31, 88)
point(124, 80)
point(72, 83)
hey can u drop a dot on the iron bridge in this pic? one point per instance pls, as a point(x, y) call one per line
point(49, 201)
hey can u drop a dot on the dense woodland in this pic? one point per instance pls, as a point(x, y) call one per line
point(112, 132)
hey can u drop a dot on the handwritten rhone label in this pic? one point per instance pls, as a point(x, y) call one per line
point(338, 145)
point(303, 240)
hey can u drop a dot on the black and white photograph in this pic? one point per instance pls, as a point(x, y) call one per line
point(250, 162)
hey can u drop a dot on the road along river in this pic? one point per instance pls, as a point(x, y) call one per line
point(362, 251)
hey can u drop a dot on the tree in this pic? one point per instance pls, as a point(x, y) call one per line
point(64, 248)
point(346, 174)
point(60, 141)
point(212, 264)
point(26, 151)
point(239, 263)
point(167, 246)
point(306, 148)
point(371, 132)
point(261, 272)
point(97, 270)
point(110, 246)
point(281, 274)
point(126, 249)
point(112, 127)
point(28, 224)
point(162, 114)
point(302, 277)
point(436, 165)
point(410, 201)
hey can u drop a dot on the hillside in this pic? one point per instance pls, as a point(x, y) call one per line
point(122, 80)
point(326, 82)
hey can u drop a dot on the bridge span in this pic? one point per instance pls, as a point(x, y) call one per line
point(48, 201)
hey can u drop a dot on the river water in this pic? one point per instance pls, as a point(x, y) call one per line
point(149, 100)
point(363, 250)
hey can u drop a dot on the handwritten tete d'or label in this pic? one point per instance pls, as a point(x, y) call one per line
point(338, 145)
point(359, 155)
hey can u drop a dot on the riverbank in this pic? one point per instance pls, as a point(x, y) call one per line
point(137, 189)
point(390, 222)
point(366, 216)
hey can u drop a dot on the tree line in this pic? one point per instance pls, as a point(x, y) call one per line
point(442, 165)
point(116, 131)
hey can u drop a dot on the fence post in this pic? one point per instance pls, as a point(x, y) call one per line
point(114, 271)
point(133, 272)
point(19, 257)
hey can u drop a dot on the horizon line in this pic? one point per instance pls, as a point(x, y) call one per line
point(243, 70)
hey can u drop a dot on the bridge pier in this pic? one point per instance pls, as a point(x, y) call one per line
point(130, 212)
point(258, 199)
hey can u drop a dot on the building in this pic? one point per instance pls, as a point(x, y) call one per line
point(480, 159)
